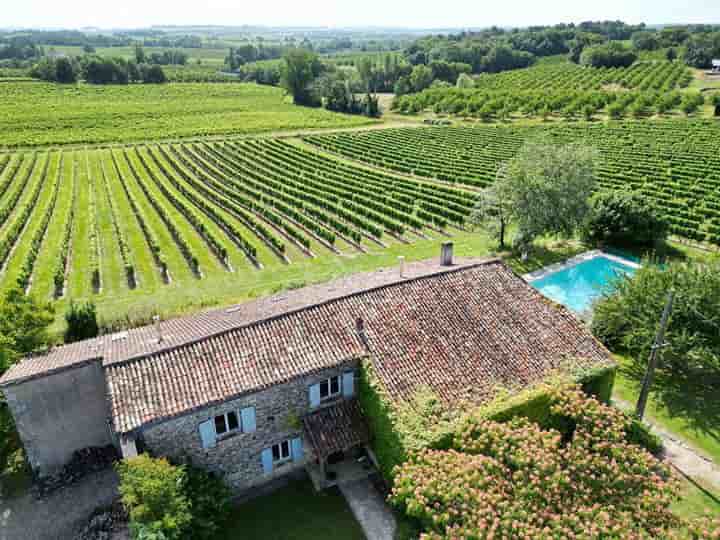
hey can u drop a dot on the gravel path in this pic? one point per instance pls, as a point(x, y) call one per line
point(55, 517)
point(369, 508)
point(684, 457)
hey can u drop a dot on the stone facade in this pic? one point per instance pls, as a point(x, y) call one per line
point(237, 456)
point(59, 414)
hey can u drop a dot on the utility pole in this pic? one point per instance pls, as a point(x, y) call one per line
point(653, 361)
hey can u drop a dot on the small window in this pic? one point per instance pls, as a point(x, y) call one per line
point(281, 452)
point(329, 388)
point(226, 423)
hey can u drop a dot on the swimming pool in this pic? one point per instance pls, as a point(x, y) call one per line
point(579, 281)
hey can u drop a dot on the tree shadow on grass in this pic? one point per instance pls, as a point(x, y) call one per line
point(543, 255)
point(692, 396)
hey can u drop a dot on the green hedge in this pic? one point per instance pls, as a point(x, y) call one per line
point(400, 429)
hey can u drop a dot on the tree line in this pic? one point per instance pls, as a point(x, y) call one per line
point(96, 70)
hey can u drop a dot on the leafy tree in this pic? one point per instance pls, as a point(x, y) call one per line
point(81, 322)
point(524, 480)
point(88, 49)
point(700, 49)
point(646, 40)
point(60, 70)
point(140, 57)
point(300, 68)
point(402, 86)
point(691, 101)
point(172, 502)
point(715, 101)
point(209, 501)
point(611, 54)
point(625, 218)
point(152, 490)
point(65, 71)
point(546, 189)
point(671, 54)
point(24, 322)
point(421, 78)
point(494, 209)
point(153, 75)
point(626, 318)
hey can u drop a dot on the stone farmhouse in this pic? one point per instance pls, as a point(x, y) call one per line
point(261, 389)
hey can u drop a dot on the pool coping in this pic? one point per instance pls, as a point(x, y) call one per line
point(574, 261)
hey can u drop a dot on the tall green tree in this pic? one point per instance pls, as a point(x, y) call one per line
point(24, 322)
point(543, 190)
point(300, 68)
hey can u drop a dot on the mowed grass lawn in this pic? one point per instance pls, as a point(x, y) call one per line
point(295, 512)
point(687, 408)
point(37, 113)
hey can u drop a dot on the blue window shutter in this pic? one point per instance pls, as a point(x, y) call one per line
point(248, 419)
point(267, 461)
point(297, 449)
point(348, 384)
point(315, 395)
point(207, 434)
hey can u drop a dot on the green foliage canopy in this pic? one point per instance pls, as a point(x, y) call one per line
point(544, 189)
point(300, 68)
point(623, 218)
point(626, 319)
point(608, 55)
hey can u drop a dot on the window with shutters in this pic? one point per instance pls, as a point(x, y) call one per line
point(227, 423)
point(330, 388)
point(281, 453)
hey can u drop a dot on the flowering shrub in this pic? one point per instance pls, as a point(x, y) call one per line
point(518, 480)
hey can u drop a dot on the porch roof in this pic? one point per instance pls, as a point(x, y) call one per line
point(336, 428)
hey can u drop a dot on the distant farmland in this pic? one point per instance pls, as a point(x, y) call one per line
point(34, 113)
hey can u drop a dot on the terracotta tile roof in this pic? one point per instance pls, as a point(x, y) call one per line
point(337, 428)
point(139, 342)
point(460, 330)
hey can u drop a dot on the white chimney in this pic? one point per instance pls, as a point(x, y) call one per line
point(401, 260)
point(446, 254)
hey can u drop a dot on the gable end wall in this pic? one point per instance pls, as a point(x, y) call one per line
point(59, 414)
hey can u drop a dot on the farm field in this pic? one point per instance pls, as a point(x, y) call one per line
point(675, 162)
point(215, 57)
point(35, 113)
point(150, 227)
point(565, 76)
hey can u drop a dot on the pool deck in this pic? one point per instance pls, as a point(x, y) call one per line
point(577, 259)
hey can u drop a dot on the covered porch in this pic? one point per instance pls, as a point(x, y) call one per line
point(338, 436)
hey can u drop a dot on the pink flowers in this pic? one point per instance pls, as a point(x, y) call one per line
point(518, 480)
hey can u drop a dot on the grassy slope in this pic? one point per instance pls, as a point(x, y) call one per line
point(295, 512)
point(687, 407)
point(35, 113)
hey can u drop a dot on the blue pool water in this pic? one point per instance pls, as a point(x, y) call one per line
point(578, 286)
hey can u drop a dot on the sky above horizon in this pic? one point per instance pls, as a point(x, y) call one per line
point(383, 13)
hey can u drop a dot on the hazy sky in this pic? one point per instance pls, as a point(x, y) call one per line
point(406, 13)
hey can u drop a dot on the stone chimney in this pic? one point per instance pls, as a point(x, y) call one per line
point(158, 329)
point(446, 254)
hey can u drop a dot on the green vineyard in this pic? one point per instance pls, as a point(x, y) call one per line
point(675, 162)
point(566, 76)
point(104, 221)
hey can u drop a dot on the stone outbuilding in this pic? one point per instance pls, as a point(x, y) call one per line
point(261, 389)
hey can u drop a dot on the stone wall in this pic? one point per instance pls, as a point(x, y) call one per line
point(59, 414)
point(236, 457)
